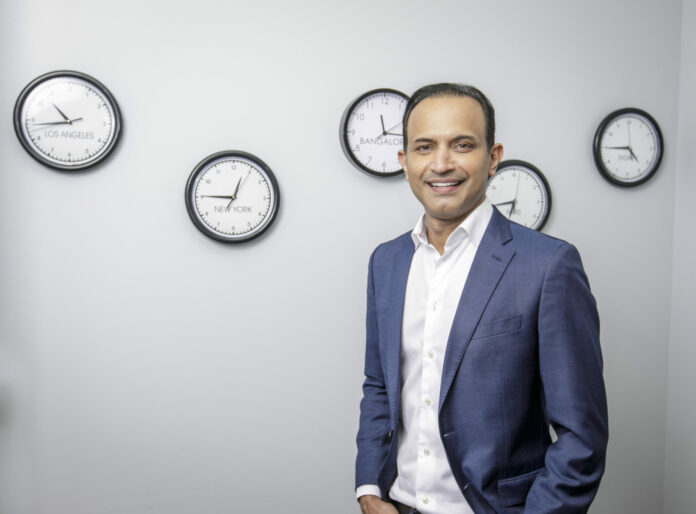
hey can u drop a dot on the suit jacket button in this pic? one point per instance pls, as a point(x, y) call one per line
point(389, 435)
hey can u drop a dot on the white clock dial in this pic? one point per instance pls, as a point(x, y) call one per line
point(628, 147)
point(67, 120)
point(521, 193)
point(371, 131)
point(232, 196)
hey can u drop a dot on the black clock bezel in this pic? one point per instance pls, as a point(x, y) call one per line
point(524, 164)
point(202, 166)
point(598, 139)
point(38, 156)
point(345, 145)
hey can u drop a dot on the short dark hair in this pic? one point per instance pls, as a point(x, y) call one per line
point(452, 89)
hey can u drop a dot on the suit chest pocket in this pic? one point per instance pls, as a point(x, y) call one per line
point(498, 326)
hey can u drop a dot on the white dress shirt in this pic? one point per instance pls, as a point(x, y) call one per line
point(435, 282)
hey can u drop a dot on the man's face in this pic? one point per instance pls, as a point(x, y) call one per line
point(446, 161)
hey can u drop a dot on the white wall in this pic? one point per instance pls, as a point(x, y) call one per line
point(147, 369)
point(680, 467)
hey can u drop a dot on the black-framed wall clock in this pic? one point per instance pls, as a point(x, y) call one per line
point(67, 120)
point(232, 196)
point(628, 147)
point(521, 193)
point(371, 133)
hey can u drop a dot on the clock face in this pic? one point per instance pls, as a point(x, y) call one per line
point(232, 196)
point(371, 132)
point(67, 120)
point(628, 147)
point(521, 194)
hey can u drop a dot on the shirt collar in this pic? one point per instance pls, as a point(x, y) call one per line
point(473, 226)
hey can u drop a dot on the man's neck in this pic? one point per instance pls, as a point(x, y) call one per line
point(439, 230)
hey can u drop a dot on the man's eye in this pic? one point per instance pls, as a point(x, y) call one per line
point(421, 148)
point(464, 146)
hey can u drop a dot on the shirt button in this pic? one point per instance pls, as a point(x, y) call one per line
point(435, 305)
point(428, 402)
point(431, 354)
point(426, 451)
point(426, 500)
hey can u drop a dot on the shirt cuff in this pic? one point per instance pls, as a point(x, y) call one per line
point(368, 489)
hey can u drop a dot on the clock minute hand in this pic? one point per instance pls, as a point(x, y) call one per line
point(65, 122)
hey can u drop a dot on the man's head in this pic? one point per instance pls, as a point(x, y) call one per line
point(448, 150)
point(453, 89)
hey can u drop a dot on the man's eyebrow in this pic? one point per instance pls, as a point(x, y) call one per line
point(465, 137)
point(456, 139)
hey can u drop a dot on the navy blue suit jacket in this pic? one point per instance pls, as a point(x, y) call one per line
point(523, 353)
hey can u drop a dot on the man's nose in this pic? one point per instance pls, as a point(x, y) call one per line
point(442, 161)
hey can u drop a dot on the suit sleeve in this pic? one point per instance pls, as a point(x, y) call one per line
point(372, 438)
point(570, 362)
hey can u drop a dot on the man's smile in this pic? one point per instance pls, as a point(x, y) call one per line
point(444, 186)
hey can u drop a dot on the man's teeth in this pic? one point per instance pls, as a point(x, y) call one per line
point(444, 184)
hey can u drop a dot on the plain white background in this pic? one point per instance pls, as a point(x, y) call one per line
point(145, 369)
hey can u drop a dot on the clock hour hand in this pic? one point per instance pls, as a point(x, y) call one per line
point(67, 120)
point(512, 208)
point(632, 154)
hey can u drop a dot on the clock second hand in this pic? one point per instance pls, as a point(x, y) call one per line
point(630, 149)
point(389, 132)
point(514, 200)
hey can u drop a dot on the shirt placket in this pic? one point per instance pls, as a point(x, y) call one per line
point(429, 385)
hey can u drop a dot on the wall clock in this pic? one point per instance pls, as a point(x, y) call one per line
point(371, 133)
point(232, 196)
point(67, 120)
point(628, 147)
point(521, 193)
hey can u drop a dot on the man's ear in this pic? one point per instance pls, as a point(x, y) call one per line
point(495, 155)
point(402, 161)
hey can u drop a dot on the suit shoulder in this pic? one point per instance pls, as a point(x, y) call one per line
point(538, 242)
point(396, 246)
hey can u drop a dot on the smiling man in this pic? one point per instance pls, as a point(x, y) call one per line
point(481, 335)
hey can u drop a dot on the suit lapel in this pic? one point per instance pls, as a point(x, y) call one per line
point(491, 261)
point(393, 309)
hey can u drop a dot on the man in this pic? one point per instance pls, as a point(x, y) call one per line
point(481, 334)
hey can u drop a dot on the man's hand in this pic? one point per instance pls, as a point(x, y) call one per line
point(371, 504)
